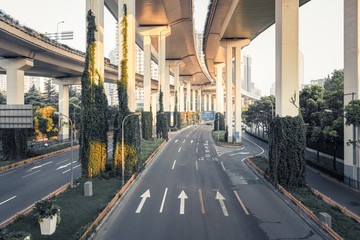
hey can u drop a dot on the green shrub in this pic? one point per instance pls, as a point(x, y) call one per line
point(287, 151)
point(219, 117)
point(146, 124)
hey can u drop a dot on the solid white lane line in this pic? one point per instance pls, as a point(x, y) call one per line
point(222, 165)
point(7, 173)
point(173, 165)
point(262, 150)
point(143, 199)
point(241, 203)
point(64, 166)
point(222, 204)
point(39, 166)
point(30, 174)
point(184, 141)
point(7, 200)
point(201, 202)
point(179, 149)
point(239, 153)
point(70, 169)
point(163, 200)
point(62, 161)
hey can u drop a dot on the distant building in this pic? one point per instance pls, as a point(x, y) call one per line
point(272, 89)
point(246, 83)
point(320, 82)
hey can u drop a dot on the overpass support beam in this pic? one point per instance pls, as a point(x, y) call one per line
point(219, 88)
point(205, 103)
point(15, 78)
point(147, 72)
point(153, 107)
point(215, 104)
point(210, 102)
point(188, 92)
point(181, 96)
point(237, 45)
point(176, 65)
point(287, 56)
point(199, 101)
point(64, 109)
point(351, 84)
point(193, 100)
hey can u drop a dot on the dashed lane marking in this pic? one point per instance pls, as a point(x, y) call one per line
point(70, 169)
point(30, 174)
point(179, 149)
point(173, 165)
point(184, 141)
point(7, 200)
point(222, 165)
point(201, 202)
point(62, 161)
point(241, 203)
point(176, 141)
point(163, 200)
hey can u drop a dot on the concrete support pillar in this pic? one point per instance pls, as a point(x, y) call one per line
point(205, 103)
point(210, 102)
point(215, 104)
point(64, 109)
point(15, 78)
point(229, 86)
point(181, 97)
point(351, 84)
point(219, 88)
point(166, 89)
point(287, 56)
point(188, 92)
point(193, 100)
point(97, 7)
point(199, 100)
point(153, 107)
point(161, 32)
point(147, 72)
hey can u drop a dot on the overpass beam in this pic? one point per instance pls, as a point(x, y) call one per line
point(188, 92)
point(287, 56)
point(351, 84)
point(181, 96)
point(15, 68)
point(219, 88)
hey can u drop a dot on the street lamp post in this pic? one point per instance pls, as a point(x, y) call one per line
point(72, 153)
point(57, 30)
point(122, 145)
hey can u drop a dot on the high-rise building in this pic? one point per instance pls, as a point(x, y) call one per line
point(246, 83)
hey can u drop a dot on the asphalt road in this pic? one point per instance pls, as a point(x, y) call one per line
point(22, 186)
point(195, 190)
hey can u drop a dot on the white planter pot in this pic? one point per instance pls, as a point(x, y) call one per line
point(48, 225)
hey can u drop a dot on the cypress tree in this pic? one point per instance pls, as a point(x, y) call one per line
point(131, 124)
point(161, 120)
point(93, 132)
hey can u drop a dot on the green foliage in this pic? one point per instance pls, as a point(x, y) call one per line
point(45, 209)
point(287, 145)
point(161, 120)
point(226, 135)
point(177, 120)
point(131, 124)
point(168, 118)
point(219, 121)
point(146, 123)
point(50, 96)
point(14, 143)
point(2, 97)
point(34, 97)
point(94, 124)
point(352, 113)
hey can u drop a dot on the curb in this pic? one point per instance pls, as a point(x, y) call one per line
point(30, 160)
point(30, 208)
point(330, 231)
point(112, 203)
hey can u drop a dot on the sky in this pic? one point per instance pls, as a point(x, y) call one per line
point(321, 33)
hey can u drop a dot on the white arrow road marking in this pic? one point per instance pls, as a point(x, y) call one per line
point(179, 149)
point(39, 166)
point(182, 197)
point(64, 166)
point(173, 165)
point(222, 204)
point(176, 141)
point(144, 197)
point(191, 141)
point(239, 153)
point(163, 200)
point(7, 200)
